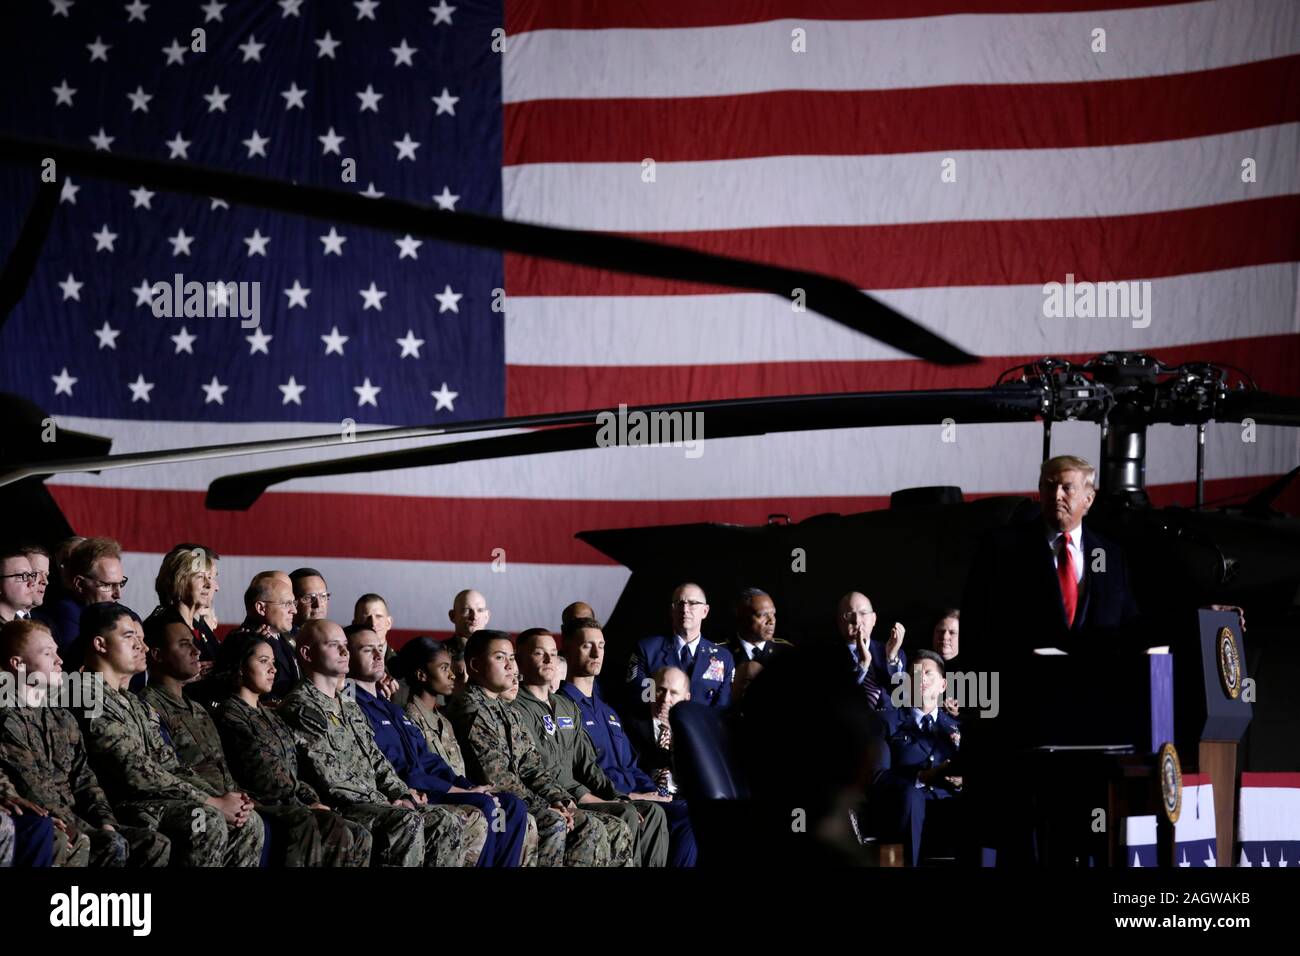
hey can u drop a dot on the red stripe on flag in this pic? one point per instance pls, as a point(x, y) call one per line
point(824, 123)
point(414, 529)
point(537, 389)
point(660, 14)
point(998, 252)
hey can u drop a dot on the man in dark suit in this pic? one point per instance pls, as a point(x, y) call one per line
point(710, 667)
point(650, 732)
point(923, 741)
point(269, 606)
point(755, 638)
point(1049, 583)
point(871, 664)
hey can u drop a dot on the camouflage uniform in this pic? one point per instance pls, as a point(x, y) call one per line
point(6, 840)
point(264, 760)
point(441, 738)
point(150, 788)
point(641, 834)
point(499, 751)
point(345, 766)
point(42, 752)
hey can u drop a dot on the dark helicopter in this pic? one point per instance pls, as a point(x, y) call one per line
point(912, 557)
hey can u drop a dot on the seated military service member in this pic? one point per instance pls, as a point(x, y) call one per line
point(372, 611)
point(755, 638)
point(709, 666)
point(27, 834)
point(650, 733)
point(425, 665)
point(922, 740)
point(139, 770)
point(42, 753)
point(498, 749)
point(263, 758)
point(403, 744)
point(584, 646)
point(173, 661)
point(556, 728)
point(351, 774)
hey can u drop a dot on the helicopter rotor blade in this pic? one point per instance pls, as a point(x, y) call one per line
point(833, 298)
point(1017, 402)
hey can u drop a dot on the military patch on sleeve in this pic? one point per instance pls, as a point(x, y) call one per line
point(566, 723)
point(717, 669)
point(549, 724)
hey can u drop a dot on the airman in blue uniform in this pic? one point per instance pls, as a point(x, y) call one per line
point(709, 666)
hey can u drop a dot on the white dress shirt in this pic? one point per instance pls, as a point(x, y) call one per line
point(1075, 545)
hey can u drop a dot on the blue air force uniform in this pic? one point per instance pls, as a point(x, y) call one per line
point(899, 801)
point(709, 665)
point(617, 758)
point(406, 749)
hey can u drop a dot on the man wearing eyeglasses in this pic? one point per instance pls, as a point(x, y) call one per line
point(95, 572)
point(311, 596)
point(269, 607)
point(710, 667)
point(17, 586)
point(873, 663)
point(40, 559)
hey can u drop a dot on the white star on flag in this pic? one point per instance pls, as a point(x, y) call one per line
point(256, 145)
point(292, 391)
point(175, 53)
point(71, 288)
point(140, 389)
point(252, 49)
point(447, 300)
point(60, 7)
point(63, 94)
point(369, 98)
point(442, 13)
point(98, 50)
point(371, 192)
point(107, 336)
point(293, 97)
point(135, 11)
point(334, 341)
point(178, 147)
point(444, 398)
point(297, 295)
point(365, 9)
point(333, 242)
point(184, 341)
point(68, 193)
point(63, 382)
point(102, 141)
point(373, 298)
point(212, 11)
point(410, 344)
point(408, 245)
point(290, 8)
point(139, 100)
point(446, 200)
point(403, 53)
point(141, 197)
point(366, 393)
point(257, 342)
point(216, 99)
point(104, 239)
point(180, 243)
point(331, 142)
point(326, 46)
point(213, 392)
point(406, 147)
point(143, 293)
point(446, 103)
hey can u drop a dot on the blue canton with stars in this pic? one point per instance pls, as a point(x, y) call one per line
point(354, 323)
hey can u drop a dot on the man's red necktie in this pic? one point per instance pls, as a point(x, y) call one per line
point(1069, 586)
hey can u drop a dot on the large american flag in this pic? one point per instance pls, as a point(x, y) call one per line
point(950, 156)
